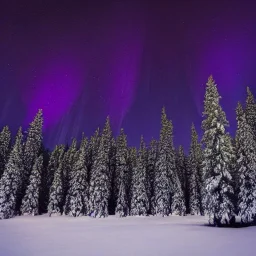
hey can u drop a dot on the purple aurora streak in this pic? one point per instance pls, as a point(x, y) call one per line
point(56, 88)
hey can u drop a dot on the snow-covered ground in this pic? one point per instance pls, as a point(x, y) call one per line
point(156, 236)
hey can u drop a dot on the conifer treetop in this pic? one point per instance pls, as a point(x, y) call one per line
point(215, 117)
point(250, 98)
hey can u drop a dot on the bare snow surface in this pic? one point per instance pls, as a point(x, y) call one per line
point(142, 236)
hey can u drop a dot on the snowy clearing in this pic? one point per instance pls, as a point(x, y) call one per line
point(156, 236)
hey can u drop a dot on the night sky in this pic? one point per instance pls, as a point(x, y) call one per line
point(126, 59)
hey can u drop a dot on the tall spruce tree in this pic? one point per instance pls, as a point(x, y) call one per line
point(56, 193)
point(219, 193)
point(112, 168)
point(100, 177)
point(44, 191)
point(140, 202)
point(32, 149)
point(246, 159)
point(182, 172)
point(5, 147)
point(33, 142)
point(131, 163)
point(69, 160)
point(151, 165)
point(30, 202)
point(54, 162)
point(240, 112)
point(195, 175)
point(178, 206)
point(162, 175)
point(107, 142)
point(169, 197)
point(10, 183)
point(122, 209)
point(121, 182)
point(250, 111)
point(78, 190)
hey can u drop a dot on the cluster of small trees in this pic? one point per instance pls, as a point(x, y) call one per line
point(102, 175)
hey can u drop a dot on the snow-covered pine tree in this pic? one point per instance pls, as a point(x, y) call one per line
point(122, 209)
point(78, 190)
point(99, 187)
point(5, 148)
point(10, 182)
point(112, 167)
point(56, 192)
point(162, 175)
point(69, 159)
point(217, 160)
point(107, 142)
point(250, 111)
point(151, 165)
point(131, 163)
point(100, 176)
point(30, 202)
point(246, 159)
point(54, 162)
point(178, 206)
point(169, 197)
point(121, 182)
point(231, 151)
point(32, 149)
point(195, 175)
point(44, 192)
point(182, 173)
point(33, 142)
point(140, 202)
point(240, 112)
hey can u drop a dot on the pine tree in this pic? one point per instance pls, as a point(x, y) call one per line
point(246, 152)
point(178, 206)
point(132, 164)
point(121, 182)
point(56, 192)
point(10, 182)
point(107, 143)
point(250, 111)
point(30, 202)
point(112, 168)
point(182, 171)
point(99, 187)
point(44, 191)
point(217, 160)
point(100, 177)
point(78, 190)
point(122, 209)
point(32, 149)
point(195, 177)
point(33, 142)
point(5, 147)
point(168, 192)
point(240, 112)
point(54, 162)
point(69, 160)
point(151, 165)
point(162, 176)
point(140, 202)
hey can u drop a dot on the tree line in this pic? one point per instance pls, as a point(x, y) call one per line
point(101, 175)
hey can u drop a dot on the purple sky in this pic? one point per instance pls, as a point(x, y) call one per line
point(82, 62)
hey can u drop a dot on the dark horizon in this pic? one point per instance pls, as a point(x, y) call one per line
point(83, 62)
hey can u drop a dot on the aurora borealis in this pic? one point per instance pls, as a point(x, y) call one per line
point(80, 62)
